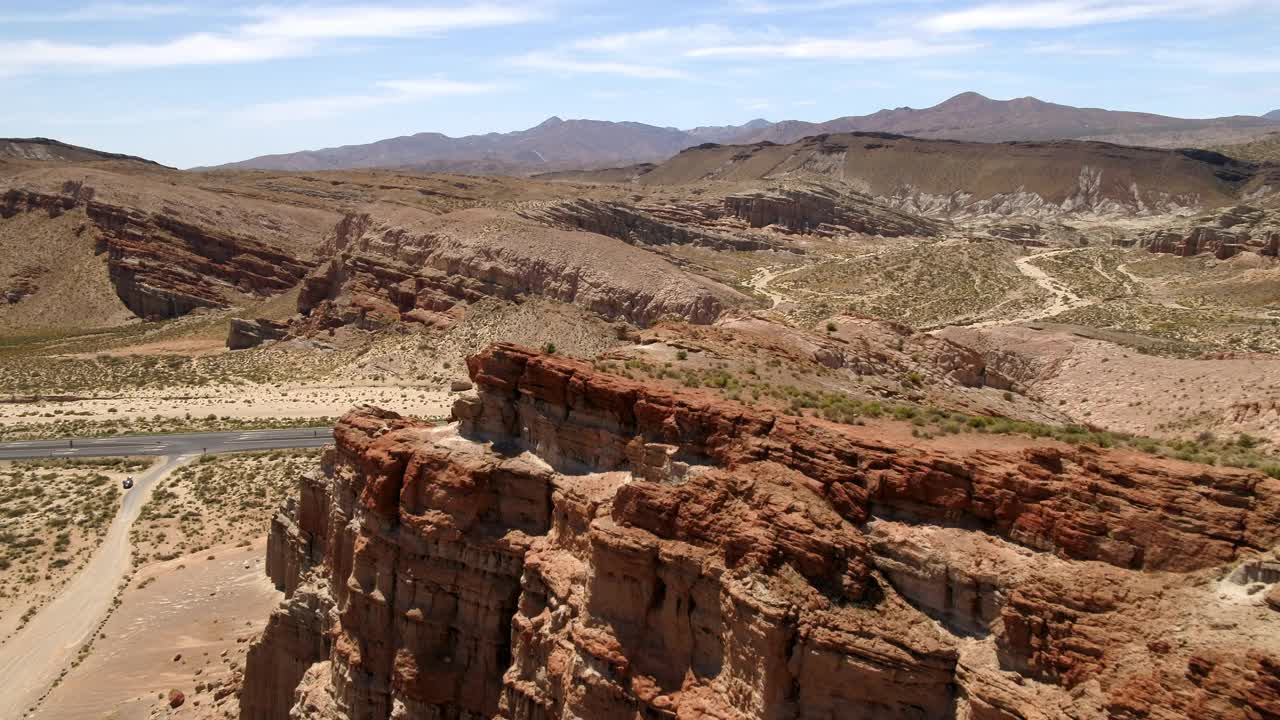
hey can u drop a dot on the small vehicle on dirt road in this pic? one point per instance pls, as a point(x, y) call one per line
point(128, 483)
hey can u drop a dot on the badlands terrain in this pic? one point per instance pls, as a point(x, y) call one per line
point(832, 422)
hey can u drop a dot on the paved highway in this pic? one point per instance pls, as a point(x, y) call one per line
point(172, 445)
point(32, 659)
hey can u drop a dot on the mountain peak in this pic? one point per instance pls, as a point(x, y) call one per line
point(966, 98)
point(550, 122)
point(1273, 115)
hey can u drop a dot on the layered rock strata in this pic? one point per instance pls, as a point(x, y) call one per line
point(728, 223)
point(162, 266)
point(641, 227)
point(1234, 230)
point(426, 269)
point(580, 545)
point(822, 211)
point(252, 333)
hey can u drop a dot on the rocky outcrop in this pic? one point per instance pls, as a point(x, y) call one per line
point(581, 545)
point(21, 285)
point(426, 269)
point(163, 266)
point(734, 222)
point(252, 333)
point(1234, 230)
point(639, 227)
point(822, 211)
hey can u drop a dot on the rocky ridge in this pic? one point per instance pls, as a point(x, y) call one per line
point(732, 222)
point(161, 265)
point(950, 179)
point(425, 269)
point(578, 544)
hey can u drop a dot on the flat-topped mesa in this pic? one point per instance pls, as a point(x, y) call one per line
point(1079, 502)
point(582, 545)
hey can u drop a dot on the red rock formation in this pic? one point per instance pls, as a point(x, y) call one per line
point(426, 268)
point(162, 266)
point(581, 545)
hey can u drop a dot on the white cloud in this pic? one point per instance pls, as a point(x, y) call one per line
point(382, 22)
point(391, 92)
point(1052, 14)
point(103, 12)
point(197, 49)
point(838, 49)
point(554, 62)
point(272, 34)
point(659, 39)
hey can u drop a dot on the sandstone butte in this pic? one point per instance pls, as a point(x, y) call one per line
point(582, 545)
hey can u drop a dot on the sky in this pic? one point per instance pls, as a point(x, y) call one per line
point(192, 83)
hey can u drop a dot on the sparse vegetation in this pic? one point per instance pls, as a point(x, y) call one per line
point(53, 514)
point(216, 499)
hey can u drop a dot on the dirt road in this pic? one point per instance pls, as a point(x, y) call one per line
point(34, 658)
point(1062, 298)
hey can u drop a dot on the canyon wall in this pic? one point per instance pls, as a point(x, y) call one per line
point(161, 265)
point(425, 268)
point(581, 545)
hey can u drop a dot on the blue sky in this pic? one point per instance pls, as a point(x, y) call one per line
point(190, 83)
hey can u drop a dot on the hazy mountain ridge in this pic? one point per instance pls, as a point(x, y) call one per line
point(558, 144)
point(971, 116)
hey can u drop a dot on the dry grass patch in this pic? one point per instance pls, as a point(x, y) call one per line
point(219, 497)
point(53, 515)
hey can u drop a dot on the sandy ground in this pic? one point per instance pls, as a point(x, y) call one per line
point(33, 659)
point(33, 582)
point(241, 401)
point(200, 609)
point(1114, 387)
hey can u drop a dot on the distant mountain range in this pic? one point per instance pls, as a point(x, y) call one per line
point(1273, 115)
point(970, 116)
point(559, 144)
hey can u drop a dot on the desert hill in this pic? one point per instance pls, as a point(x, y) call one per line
point(47, 149)
point(577, 144)
point(947, 177)
point(1263, 149)
point(1273, 115)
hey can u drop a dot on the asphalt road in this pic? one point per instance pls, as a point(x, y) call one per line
point(31, 660)
point(172, 445)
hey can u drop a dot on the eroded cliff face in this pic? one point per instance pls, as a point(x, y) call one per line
point(580, 545)
point(1224, 234)
point(731, 222)
point(423, 268)
point(161, 265)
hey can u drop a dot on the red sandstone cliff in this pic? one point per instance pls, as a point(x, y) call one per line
point(579, 545)
point(160, 265)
